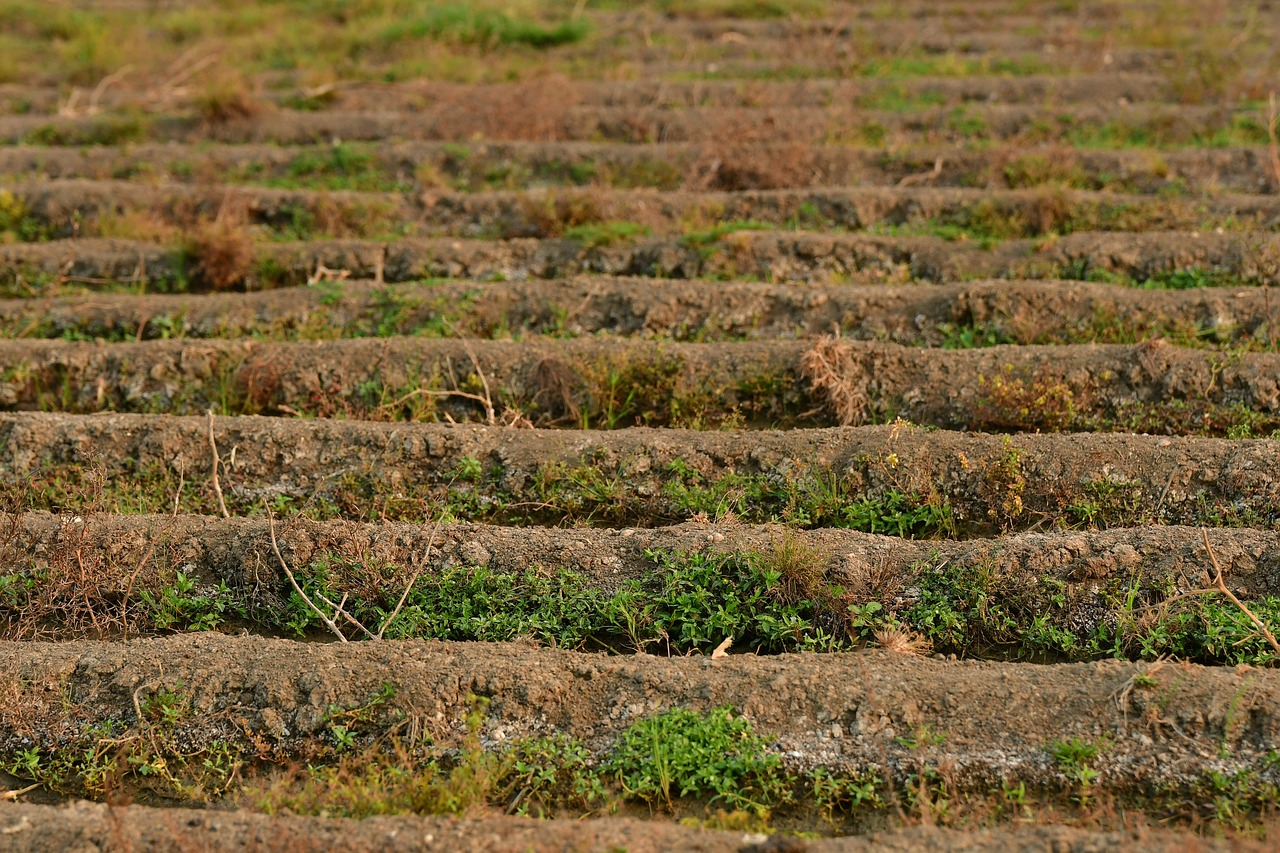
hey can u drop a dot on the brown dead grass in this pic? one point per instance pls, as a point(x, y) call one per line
point(537, 110)
point(83, 590)
point(903, 641)
point(226, 100)
point(553, 214)
point(756, 154)
point(1049, 211)
point(1016, 167)
point(835, 370)
point(144, 224)
point(223, 252)
point(556, 388)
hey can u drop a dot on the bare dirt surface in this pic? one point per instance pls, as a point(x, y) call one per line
point(216, 549)
point(753, 255)
point(294, 457)
point(712, 92)
point(460, 120)
point(69, 207)
point(840, 711)
point(711, 425)
point(1150, 387)
point(1024, 312)
point(92, 827)
point(1240, 169)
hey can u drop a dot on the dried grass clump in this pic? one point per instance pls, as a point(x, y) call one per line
point(228, 100)
point(903, 641)
point(801, 568)
point(223, 252)
point(556, 389)
point(1017, 168)
point(536, 110)
point(554, 214)
point(1049, 211)
point(144, 224)
point(834, 370)
point(756, 154)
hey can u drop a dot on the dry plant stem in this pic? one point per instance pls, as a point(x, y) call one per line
point(275, 546)
point(324, 273)
point(146, 729)
point(826, 367)
point(96, 95)
point(1221, 586)
point(490, 416)
point(217, 487)
point(923, 177)
point(484, 381)
point(18, 792)
point(177, 493)
point(339, 608)
point(425, 392)
point(182, 70)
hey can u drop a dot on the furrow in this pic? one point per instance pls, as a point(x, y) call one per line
point(919, 482)
point(946, 315)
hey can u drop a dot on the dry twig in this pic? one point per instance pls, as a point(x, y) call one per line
point(18, 792)
point(1271, 325)
point(1221, 586)
point(484, 382)
point(180, 71)
point(275, 546)
point(102, 86)
point(217, 487)
point(340, 608)
point(324, 273)
point(923, 177)
point(485, 400)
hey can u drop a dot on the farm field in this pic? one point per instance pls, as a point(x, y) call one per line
point(723, 425)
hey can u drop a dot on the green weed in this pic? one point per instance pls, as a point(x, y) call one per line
point(186, 607)
point(463, 23)
point(1075, 759)
point(714, 757)
point(593, 235)
point(704, 239)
